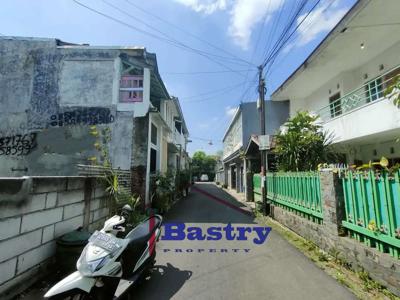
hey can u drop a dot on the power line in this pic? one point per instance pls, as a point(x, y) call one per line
point(247, 90)
point(199, 138)
point(152, 35)
point(223, 91)
point(292, 41)
point(272, 31)
point(281, 41)
point(213, 91)
point(273, 56)
point(187, 32)
point(163, 33)
point(204, 72)
point(255, 48)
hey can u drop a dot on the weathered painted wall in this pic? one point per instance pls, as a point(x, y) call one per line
point(36, 211)
point(50, 97)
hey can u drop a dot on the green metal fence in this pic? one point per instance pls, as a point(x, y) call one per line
point(372, 205)
point(257, 188)
point(298, 192)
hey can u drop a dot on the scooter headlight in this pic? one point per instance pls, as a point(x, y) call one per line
point(87, 267)
point(97, 264)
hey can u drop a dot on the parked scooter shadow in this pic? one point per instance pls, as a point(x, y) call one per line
point(162, 283)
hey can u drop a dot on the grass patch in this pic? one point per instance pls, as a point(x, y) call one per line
point(333, 263)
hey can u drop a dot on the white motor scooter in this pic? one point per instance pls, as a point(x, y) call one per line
point(109, 265)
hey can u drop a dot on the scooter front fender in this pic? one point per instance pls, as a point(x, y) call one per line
point(71, 282)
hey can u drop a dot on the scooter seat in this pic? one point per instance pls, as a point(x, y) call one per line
point(138, 238)
point(142, 232)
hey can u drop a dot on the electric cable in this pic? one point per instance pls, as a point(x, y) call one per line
point(187, 32)
point(151, 34)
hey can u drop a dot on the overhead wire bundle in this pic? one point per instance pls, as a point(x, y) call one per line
point(275, 42)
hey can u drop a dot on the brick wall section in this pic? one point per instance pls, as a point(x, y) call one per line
point(381, 266)
point(34, 212)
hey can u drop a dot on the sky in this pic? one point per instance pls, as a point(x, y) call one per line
point(234, 36)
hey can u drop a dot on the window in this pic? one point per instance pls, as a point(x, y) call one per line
point(153, 160)
point(153, 134)
point(178, 125)
point(131, 89)
point(374, 90)
point(335, 105)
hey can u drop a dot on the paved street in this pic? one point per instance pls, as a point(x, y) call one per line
point(274, 270)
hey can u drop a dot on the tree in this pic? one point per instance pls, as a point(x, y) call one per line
point(302, 145)
point(203, 164)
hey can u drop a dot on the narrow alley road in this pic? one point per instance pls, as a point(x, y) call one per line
point(273, 270)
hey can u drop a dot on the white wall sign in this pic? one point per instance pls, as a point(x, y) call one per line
point(264, 142)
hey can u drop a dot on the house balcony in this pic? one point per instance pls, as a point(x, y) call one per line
point(365, 112)
point(179, 139)
point(176, 141)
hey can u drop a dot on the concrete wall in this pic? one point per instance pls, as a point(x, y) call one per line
point(381, 266)
point(51, 95)
point(34, 212)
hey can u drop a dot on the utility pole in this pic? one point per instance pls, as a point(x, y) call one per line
point(261, 90)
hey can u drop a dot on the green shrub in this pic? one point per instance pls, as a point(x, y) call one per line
point(303, 145)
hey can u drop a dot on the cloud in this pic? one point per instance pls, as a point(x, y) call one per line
point(230, 111)
point(321, 20)
point(246, 14)
point(205, 6)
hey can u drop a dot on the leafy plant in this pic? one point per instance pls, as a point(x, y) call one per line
point(372, 226)
point(303, 145)
point(340, 277)
point(369, 284)
point(182, 180)
point(393, 91)
point(383, 164)
point(322, 256)
point(110, 177)
point(163, 190)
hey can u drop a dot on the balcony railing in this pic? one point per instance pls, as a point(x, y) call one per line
point(370, 92)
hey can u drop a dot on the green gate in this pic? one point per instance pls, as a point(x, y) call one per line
point(372, 203)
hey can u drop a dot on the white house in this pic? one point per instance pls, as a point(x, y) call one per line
point(344, 80)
